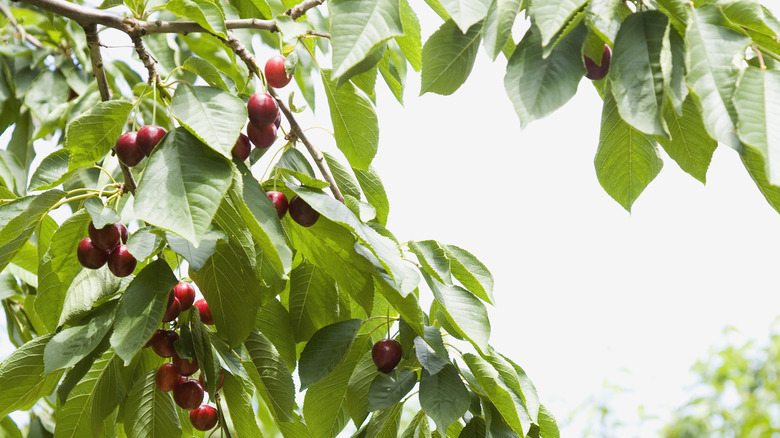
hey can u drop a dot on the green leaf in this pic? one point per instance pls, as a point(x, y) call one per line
point(443, 396)
point(207, 71)
point(375, 192)
point(511, 408)
point(407, 306)
point(325, 350)
point(9, 429)
point(88, 287)
point(604, 17)
point(673, 68)
point(58, 267)
point(274, 321)
point(91, 135)
point(206, 13)
point(418, 427)
point(448, 57)
point(753, 160)
point(636, 76)
point(196, 255)
point(411, 41)
point(627, 159)
point(428, 358)
point(548, 427)
point(101, 215)
point(689, 145)
point(470, 272)
point(388, 389)
point(72, 344)
point(550, 16)
point(433, 259)
point(18, 219)
point(23, 379)
point(756, 103)
point(141, 308)
point(358, 26)
point(536, 85)
point(238, 397)
point(228, 284)
point(385, 423)
point(393, 78)
point(47, 91)
point(182, 186)
point(325, 404)
point(270, 376)
point(714, 49)
point(214, 116)
point(51, 171)
point(498, 25)
point(344, 178)
point(149, 412)
point(314, 301)
point(355, 122)
point(465, 13)
point(358, 386)
point(93, 399)
point(145, 242)
point(464, 311)
point(514, 379)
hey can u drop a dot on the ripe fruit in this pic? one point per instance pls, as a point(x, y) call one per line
point(122, 232)
point(262, 137)
point(274, 72)
point(262, 109)
point(242, 148)
point(188, 394)
point(221, 380)
point(205, 312)
point(204, 417)
point(597, 72)
point(302, 213)
point(173, 310)
point(106, 238)
point(162, 342)
point(278, 119)
point(184, 366)
point(148, 137)
point(279, 201)
point(120, 262)
point(185, 293)
point(89, 255)
point(167, 377)
point(386, 354)
point(127, 149)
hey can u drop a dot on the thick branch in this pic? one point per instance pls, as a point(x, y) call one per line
point(93, 42)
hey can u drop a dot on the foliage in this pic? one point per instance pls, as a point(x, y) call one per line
point(298, 308)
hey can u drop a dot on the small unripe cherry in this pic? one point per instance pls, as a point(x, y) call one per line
point(204, 417)
point(262, 109)
point(127, 149)
point(149, 137)
point(275, 73)
point(261, 137)
point(89, 255)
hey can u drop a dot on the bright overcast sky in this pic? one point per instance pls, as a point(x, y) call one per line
point(585, 292)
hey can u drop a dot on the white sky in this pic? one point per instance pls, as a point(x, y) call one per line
point(585, 292)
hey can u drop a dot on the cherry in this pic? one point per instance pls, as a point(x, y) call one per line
point(120, 262)
point(188, 394)
point(221, 380)
point(173, 310)
point(205, 312)
point(386, 354)
point(275, 73)
point(597, 72)
point(302, 213)
point(278, 119)
point(262, 137)
point(167, 377)
point(149, 137)
point(184, 366)
point(279, 201)
point(242, 147)
point(122, 232)
point(185, 293)
point(127, 149)
point(262, 109)
point(91, 256)
point(204, 417)
point(106, 238)
point(162, 342)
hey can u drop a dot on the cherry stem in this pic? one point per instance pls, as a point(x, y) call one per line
point(223, 424)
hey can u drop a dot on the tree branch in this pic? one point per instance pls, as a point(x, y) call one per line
point(298, 10)
point(23, 33)
point(93, 42)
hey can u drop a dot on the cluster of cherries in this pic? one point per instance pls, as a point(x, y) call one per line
point(300, 211)
point(131, 147)
point(173, 376)
point(107, 245)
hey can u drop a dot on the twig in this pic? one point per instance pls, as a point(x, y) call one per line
point(23, 33)
point(298, 10)
point(93, 42)
point(760, 57)
point(146, 58)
